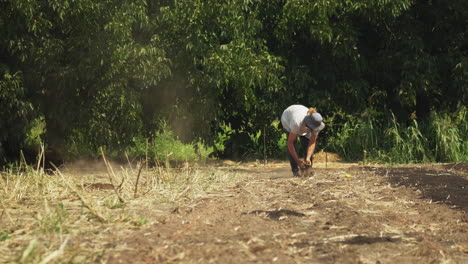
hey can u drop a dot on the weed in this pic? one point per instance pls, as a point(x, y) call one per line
point(113, 203)
point(223, 136)
point(52, 220)
point(203, 150)
point(140, 221)
point(164, 147)
point(4, 236)
point(29, 254)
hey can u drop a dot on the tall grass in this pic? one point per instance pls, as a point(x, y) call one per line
point(404, 145)
point(164, 147)
point(40, 212)
point(448, 137)
point(440, 138)
point(357, 139)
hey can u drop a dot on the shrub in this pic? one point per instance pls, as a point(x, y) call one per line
point(164, 147)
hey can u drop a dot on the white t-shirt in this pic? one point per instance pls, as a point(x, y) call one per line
point(292, 120)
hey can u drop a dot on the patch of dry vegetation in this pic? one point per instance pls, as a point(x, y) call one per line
point(70, 215)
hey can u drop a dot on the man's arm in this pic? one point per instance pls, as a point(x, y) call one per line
point(291, 139)
point(311, 148)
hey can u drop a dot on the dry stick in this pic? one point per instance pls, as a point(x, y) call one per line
point(22, 160)
point(110, 172)
point(121, 183)
point(41, 156)
point(83, 201)
point(146, 154)
point(264, 147)
point(137, 179)
point(44, 157)
point(183, 192)
point(8, 215)
point(28, 250)
point(158, 176)
point(128, 160)
point(451, 168)
point(56, 253)
point(43, 153)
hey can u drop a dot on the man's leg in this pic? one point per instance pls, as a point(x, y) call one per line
point(294, 166)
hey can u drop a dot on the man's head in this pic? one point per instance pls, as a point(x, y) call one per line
point(314, 121)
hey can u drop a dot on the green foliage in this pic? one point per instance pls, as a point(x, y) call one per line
point(113, 203)
point(277, 139)
point(164, 147)
point(437, 139)
point(447, 141)
point(84, 74)
point(405, 146)
point(223, 136)
point(357, 136)
point(4, 236)
point(226, 65)
point(15, 111)
point(168, 147)
point(203, 150)
point(35, 133)
point(255, 142)
point(53, 220)
point(84, 64)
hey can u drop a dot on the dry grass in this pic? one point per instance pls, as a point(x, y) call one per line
point(69, 216)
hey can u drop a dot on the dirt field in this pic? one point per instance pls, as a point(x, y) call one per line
point(344, 213)
point(413, 214)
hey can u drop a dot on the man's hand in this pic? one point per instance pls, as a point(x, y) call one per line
point(309, 163)
point(301, 163)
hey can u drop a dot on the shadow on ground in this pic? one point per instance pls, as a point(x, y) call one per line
point(365, 240)
point(445, 186)
point(276, 214)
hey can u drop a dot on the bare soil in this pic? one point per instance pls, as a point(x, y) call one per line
point(344, 213)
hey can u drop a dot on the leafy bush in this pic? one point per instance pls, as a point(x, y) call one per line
point(34, 137)
point(167, 147)
point(164, 147)
point(223, 136)
point(203, 150)
point(15, 112)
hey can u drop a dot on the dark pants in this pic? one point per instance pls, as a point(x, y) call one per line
point(304, 144)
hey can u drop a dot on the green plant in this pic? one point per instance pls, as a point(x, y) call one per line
point(255, 144)
point(446, 138)
point(282, 142)
point(203, 150)
point(357, 136)
point(167, 147)
point(223, 136)
point(113, 203)
point(140, 221)
point(4, 236)
point(406, 146)
point(34, 137)
point(53, 219)
point(30, 253)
